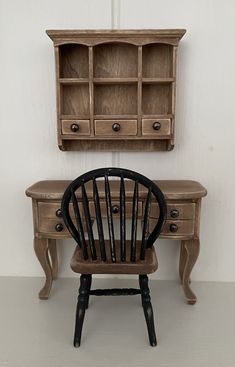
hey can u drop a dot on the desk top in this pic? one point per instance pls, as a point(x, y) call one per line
point(172, 189)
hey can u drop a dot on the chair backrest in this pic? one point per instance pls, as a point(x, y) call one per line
point(79, 220)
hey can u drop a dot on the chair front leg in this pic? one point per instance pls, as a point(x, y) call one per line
point(148, 310)
point(82, 304)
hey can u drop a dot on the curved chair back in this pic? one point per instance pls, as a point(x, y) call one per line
point(79, 220)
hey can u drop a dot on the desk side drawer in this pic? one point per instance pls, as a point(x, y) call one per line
point(52, 210)
point(177, 228)
point(176, 211)
point(53, 226)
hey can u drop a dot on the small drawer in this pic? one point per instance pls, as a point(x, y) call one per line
point(175, 228)
point(161, 127)
point(55, 226)
point(115, 127)
point(76, 127)
point(52, 210)
point(115, 209)
point(175, 211)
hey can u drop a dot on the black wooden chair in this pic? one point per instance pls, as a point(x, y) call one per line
point(112, 256)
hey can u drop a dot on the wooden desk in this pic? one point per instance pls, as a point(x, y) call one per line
point(182, 223)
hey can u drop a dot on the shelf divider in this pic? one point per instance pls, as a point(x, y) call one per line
point(91, 90)
point(140, 52)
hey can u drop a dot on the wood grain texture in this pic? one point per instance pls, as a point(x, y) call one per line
point(157, 61)
point(41, 251)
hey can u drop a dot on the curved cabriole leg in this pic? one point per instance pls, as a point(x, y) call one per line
point(148, 310)
point(191, 248)
point(41, 250)
point(82, 303)
point(54, 258)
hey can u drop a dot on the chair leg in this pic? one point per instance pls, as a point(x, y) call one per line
point(89, 288)
point(148, 310)
point(81, 307)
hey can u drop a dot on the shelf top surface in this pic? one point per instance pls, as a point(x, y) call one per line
point(172, 189)
point(178, 33)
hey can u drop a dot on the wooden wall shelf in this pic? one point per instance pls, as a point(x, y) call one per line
point(116, 86)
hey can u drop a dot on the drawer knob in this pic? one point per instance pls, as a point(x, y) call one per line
point(59, 227)
point(115, 209)
point(58, 213)
point(74, 128)
point(173, 227)
point(174, 213)
point(116, 127)
point(156, 125)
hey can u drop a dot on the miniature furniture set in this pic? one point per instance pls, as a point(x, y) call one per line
point(115, 92)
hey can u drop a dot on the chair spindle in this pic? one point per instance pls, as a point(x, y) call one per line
point(145, 232)
point(81, 237)
point(99, 221)
point(110, 219)
point(134, 221)
point(122, 220)
point(88, 222)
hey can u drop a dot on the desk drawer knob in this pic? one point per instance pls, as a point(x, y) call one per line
point(116, 127)
point(174, 213)
point(74, 128)
point(58, 213)
point(173, 228)
point(156, 125)
point(115, 209)
point(59, 227)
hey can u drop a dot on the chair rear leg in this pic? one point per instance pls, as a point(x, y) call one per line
point(89, 288)
point(148, 310)
point(82, 303)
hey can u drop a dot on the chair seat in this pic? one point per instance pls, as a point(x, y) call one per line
point(147, 266)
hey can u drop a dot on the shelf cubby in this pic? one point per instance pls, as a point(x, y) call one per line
point(75, 100)
point(115, 60)
point(74, 61)
point(157, 61)
point(156, 99)
point(115, 99)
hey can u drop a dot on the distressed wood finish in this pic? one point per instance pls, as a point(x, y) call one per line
point(109, 75)
point(183, 196)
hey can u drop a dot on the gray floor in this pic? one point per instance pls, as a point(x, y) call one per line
point(39, 333)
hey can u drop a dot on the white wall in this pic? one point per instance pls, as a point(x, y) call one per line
point(205, 121)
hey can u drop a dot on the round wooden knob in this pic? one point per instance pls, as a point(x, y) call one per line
point(59, 227)
point(174, 213)
point(115, 209)
point(156, 125)
point(58, 213)
point(173, 227)
point(116, 127)
point(74, 128)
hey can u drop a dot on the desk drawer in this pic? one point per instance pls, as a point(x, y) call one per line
point(115, 127)
point(176, 211)
point(76, 127)
point(52, 210)
point(115, 209)
point(175, 228)
point(55, 226)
